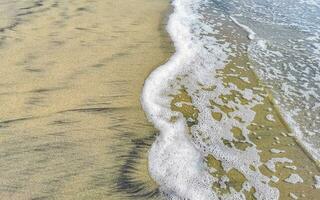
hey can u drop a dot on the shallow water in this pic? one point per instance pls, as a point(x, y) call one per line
point(285, 51)
point(71, 73)
point(220, 127)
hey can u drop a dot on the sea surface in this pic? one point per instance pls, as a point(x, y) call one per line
point(285, 51)
point(237, 105)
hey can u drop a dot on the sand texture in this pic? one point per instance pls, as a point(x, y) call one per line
point(71, 72)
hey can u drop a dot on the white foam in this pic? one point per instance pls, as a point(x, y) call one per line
point(293, 196)
point(245, 79)
point(294, 82)
point(294, 179)
point(271, 164)
point(276, 151)
point(311, 2)
point(176, 162)
point(270, 117)
point(275, 179)
point(251, 33)
point(291, 167)
point(313, 150)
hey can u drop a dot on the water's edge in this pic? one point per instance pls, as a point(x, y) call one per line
point(173, 143)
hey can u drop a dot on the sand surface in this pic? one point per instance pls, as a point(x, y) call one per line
point(71, 73)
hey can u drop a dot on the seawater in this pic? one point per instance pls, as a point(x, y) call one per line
point(286, 53)
point(204, 100)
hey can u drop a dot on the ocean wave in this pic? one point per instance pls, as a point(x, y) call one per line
point(181, 98)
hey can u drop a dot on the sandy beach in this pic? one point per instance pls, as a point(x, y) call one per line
point(71, 121)
point(71, 74)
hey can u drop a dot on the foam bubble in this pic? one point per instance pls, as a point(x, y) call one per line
point(294, 179)
point(174, 162)
point(293, 196)
point(270, 117)
point(177, 157)
point(276, 151)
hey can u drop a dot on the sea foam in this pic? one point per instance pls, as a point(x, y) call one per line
point(176, 158)
point(174, 162)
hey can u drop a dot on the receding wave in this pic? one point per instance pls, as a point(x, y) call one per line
point(219, 126)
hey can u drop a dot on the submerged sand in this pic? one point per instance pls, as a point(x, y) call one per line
point(289, 166)
point(71, 73)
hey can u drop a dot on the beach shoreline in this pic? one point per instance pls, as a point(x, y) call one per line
point(267, 132)
point(72, 124)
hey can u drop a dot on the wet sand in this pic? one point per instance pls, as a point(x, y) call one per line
point(272, 137)
point(270, 134)
point(71, 73)
point(267, 135)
